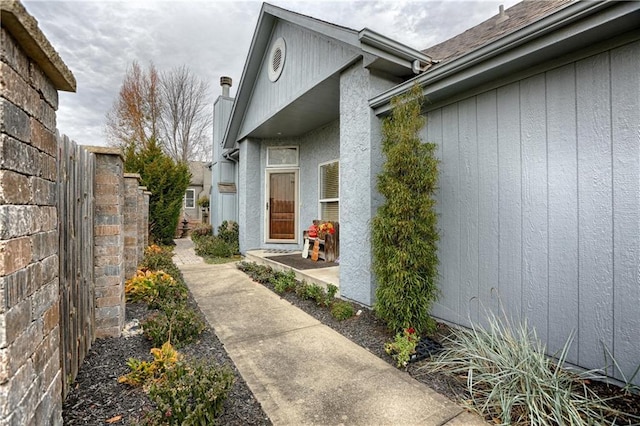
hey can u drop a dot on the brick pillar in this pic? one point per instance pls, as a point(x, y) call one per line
point(109, 265)
point(142, 224)
point(132, 217)
point(31, 73)
point(145, 211)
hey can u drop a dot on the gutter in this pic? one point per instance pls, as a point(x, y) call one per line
point(411, 58)
point(233, 155)
point(573, 12)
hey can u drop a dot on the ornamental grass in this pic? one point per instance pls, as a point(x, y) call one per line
point(511, 381)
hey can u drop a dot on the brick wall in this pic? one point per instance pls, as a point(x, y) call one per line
point(62, 221)
point(30, 374)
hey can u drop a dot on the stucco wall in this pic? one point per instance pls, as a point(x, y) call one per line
point(356, 279)
point(249, 195)
point(540, 205)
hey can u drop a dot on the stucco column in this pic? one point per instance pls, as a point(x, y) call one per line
point(357, 186)
point(250, 195)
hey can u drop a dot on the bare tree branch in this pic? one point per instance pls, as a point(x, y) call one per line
point(186, 120)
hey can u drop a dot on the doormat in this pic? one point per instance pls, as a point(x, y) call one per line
point(296, 261)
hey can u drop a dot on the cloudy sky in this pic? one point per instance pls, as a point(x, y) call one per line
point(98, 40)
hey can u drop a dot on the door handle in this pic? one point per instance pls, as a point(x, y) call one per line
point(267, 205)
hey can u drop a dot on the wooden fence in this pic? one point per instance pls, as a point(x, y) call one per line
point(76, 255)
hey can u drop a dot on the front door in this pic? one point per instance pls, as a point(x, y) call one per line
point(282, 205)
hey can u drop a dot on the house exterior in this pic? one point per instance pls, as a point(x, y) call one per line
point(199, 186)
point(536, 113)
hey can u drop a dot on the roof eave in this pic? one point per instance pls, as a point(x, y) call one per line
point(573, 12)
point(378, 41)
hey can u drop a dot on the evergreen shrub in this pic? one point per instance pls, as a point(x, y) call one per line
point(404, 230)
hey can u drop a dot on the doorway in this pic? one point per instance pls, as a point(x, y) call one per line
point(282, 206)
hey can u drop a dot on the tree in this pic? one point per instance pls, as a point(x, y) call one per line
point(135, 116)
point(186, 119)
point(167, 181)
point(170, 108)
point(404, 230)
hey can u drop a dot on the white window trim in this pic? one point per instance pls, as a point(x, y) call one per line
point(326, 200)
point(280, 166)
point(194, 199)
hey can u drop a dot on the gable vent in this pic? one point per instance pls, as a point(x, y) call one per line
point(276, 59)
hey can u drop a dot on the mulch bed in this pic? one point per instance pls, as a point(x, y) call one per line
point(298, 262)
point(97, 397)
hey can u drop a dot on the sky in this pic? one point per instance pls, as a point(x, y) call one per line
point(98, 40)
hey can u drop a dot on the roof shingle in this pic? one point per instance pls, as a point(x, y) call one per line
point(519, 16)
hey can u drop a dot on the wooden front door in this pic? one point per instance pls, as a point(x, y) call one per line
point(282, 205)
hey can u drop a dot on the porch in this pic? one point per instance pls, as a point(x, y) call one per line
point(321, 275)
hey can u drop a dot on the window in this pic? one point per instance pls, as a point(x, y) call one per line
point(190, 199)
point(286, 156)
point(329, 191)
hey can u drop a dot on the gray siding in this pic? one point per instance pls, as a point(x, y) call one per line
point(310, 59)
point(539, 205)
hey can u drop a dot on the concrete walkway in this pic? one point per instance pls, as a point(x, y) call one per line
point(300, 370)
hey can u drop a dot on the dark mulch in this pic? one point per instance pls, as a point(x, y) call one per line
point(300, 263)
point(97, 396)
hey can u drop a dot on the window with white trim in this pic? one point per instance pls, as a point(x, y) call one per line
point(329, 199)
point(190, 199)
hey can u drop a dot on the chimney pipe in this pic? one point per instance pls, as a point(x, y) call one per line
point(225, 82)
point(501, 15)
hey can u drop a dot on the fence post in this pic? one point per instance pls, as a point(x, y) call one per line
point(32, 73)
point(132, 214)
point(109, 266)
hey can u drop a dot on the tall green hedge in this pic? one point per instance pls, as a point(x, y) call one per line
point(167, 181)
point(404, 231)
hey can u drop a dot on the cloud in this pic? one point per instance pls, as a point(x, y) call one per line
point(98, 40)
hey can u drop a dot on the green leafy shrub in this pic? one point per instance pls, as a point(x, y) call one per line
point(185, 392)
point(259, 273)
point(342, 310)
point(157, 258)
point(212, 246)
point(284, 282)
point(176, 323)
point(143, 373)
point(201, 230)
point(153, 288)
point(317, 294)
point(332, 290)
point(167, 181)
point(511, 380)
point(403, 346)
point(229, 232)
point(404, 230)
point(191, 394)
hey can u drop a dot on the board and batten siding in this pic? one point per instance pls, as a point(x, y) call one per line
point(539, 206)
point(310, 59)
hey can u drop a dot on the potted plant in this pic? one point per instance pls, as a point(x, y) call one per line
point(203, 202)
